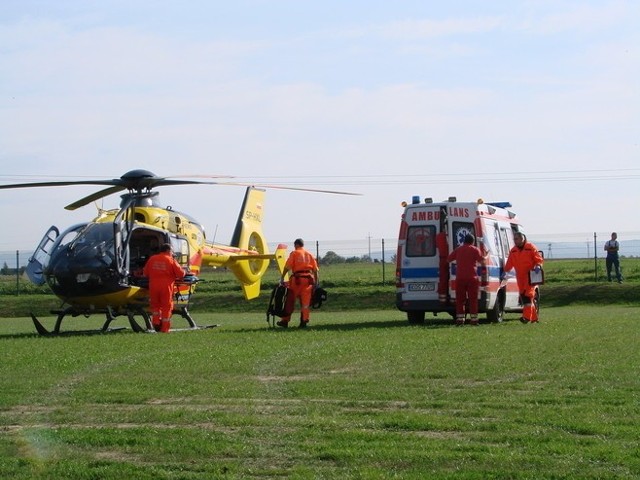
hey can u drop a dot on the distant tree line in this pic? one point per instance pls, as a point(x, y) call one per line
point(332, 258)
point(5, 270)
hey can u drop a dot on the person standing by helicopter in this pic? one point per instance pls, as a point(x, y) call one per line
point(304, 278)
point(162, 270)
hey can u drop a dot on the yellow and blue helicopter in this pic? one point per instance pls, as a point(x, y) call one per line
point(95, 267)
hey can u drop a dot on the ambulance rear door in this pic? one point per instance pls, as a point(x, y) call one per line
point(498, 240)
point(460, 226)
point(417, 282)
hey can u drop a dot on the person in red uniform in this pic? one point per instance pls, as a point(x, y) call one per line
point(162, 270)
point(467, 256)
point(524, 257)
point(304, 276)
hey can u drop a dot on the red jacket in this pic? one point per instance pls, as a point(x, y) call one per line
point(300, 260)
point(523, 260)
point(163, 269)
point(467, 257)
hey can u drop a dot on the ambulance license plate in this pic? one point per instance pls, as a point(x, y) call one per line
point(422, 287)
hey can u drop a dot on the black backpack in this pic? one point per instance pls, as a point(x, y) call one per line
point(277, 302)
point(319, 296)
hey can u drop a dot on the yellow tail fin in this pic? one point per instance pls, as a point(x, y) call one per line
point(250, 267)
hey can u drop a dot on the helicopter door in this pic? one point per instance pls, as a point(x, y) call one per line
point(180, 248)
point(121, 237)
point(41, 256)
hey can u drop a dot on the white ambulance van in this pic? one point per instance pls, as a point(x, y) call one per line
point(429, 231)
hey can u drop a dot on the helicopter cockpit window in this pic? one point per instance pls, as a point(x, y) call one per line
point(68, 236)
point(98, 236)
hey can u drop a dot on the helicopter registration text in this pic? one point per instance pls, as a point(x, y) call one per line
point(253, 216)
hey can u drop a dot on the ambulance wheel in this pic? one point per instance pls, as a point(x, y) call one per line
point(496, 314)
point(415, 317)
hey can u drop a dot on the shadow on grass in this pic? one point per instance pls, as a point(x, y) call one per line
point(430, 323)
point(66, 333)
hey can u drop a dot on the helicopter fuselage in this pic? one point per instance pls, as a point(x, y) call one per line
point(98, 264)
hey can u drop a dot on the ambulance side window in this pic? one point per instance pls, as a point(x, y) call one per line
point(421, 241)
point(505, 241)
point(493, 239)
point(460, 230)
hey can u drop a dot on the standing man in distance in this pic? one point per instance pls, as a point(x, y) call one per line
point(162, 270)
point(524, 257)
point(304, 277)
point(612, 247)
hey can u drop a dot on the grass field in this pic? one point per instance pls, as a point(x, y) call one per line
point(355, 287)
point(358, 395)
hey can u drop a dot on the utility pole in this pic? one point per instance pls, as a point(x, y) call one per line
point(595, 256)
point(383, 261)
point(17, 272)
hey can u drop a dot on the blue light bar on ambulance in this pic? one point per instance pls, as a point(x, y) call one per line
point(501, 204)
point(415, 199)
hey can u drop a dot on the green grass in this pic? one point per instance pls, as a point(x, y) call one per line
point(356, 287)
point(359, 395)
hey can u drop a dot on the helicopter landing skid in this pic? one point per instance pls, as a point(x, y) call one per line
point(56, 331)
point(184, 313)
point(42, 330)
point(131, 313)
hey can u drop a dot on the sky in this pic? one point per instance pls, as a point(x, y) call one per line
point(532, 102)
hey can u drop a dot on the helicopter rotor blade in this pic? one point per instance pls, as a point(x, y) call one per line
point(59, 184)
point(94, 196)
point(118, 188)
point(139, 180)
point(199, 175)
point(282, 187)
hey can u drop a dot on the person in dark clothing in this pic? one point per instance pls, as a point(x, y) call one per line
point(613, 261)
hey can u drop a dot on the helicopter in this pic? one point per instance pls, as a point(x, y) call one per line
point(95, 267)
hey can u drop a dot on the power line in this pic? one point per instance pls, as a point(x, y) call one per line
point(391, 179)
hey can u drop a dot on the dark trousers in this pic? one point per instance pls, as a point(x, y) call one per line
point(613, 262)
point(467, 289)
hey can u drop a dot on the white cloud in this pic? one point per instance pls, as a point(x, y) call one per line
point(426, 28)
point(536, 87)
point(579, 17)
